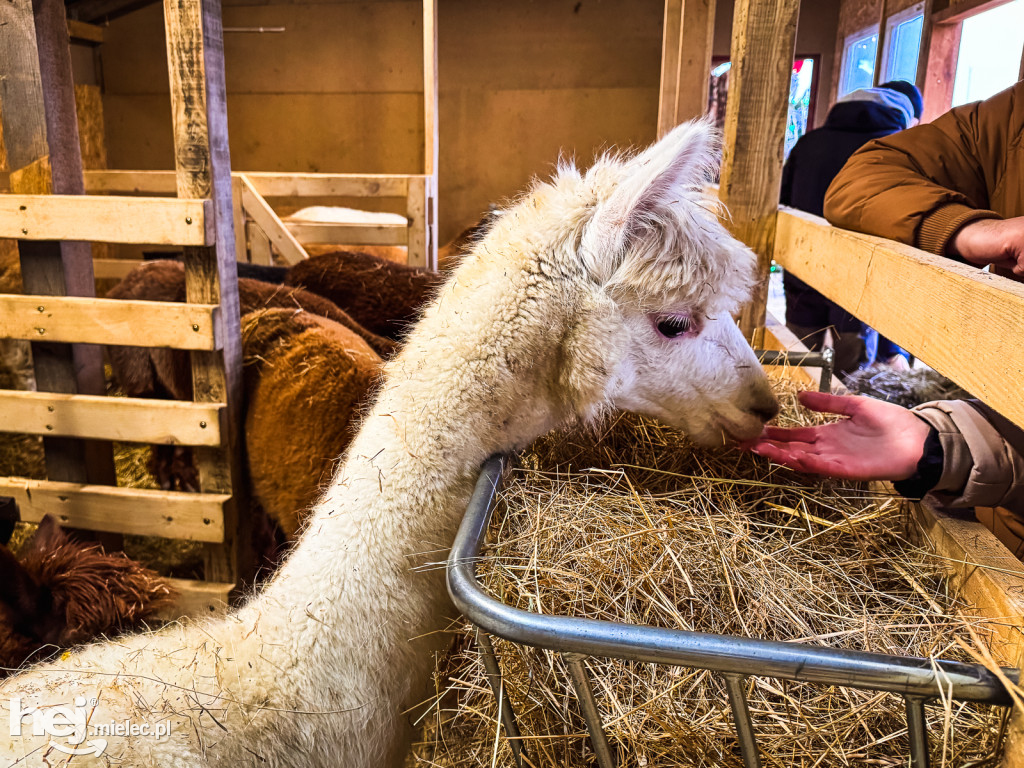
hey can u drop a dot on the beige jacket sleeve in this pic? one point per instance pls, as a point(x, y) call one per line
point(983, 456)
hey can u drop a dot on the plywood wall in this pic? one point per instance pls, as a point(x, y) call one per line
point(521, 82)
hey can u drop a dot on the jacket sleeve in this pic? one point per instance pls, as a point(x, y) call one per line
point(983, 456)
point(921, 185)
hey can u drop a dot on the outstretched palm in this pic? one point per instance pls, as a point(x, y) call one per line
point(877, 440)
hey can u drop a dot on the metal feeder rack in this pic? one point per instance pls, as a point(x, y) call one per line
point(918, 680)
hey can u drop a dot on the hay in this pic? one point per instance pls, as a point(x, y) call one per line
point(640, 527)
point(906, 388)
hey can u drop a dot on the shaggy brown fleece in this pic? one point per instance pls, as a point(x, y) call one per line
point(166, 372)
point(307, 380)
point(58, 593)
point(384, 297)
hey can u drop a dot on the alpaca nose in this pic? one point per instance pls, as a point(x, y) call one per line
point(763, 404)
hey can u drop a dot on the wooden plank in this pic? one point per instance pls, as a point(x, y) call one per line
point(114, 269)
point(195, 58)
point(131, 182)
point(925, 47)
point(941, 311)
point(416, 236)
point(282, 238)
point(881, 41)
point(168, 514)
point(430, 111)
point(353, 234)
point(259, 244)
point(127, 419)
point(688, 38)
point(671, 35)
point(110, 321)
point(81, 32)
point(238, 219)
point(764, 32)
point(108, 219)
point(196, 599)
point(940, 68)
point(329, 184)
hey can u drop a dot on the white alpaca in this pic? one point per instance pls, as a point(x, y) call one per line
point(612, 289)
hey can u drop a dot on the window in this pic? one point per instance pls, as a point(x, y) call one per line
point(902, 44)
point(990, 53)
point(859, 61)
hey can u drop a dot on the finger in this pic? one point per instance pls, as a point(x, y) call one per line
point(823, 402)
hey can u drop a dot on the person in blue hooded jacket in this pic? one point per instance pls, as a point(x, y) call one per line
point(814, 161)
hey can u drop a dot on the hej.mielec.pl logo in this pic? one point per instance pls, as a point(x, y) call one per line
point(73, 725)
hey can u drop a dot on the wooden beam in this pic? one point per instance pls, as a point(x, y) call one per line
point(310, 233)
point(195, 58)
point(687, 41)
point(415, 236)
point(196, 599)
point(764, 33)
point(259, 244)
point(127, 419)
point(940, 68)
point(168, 514)
point(259, 210)
point(268, 184)
point(81, 32)
point(93, 11)
point(883, 16)
point(430, 111)
point(110, 321)
point(925, 47)
point(941, 311)
point(153, 221)
point(114, 269)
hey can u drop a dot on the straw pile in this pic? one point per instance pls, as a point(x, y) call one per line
point(906, 388)
point(638, 526)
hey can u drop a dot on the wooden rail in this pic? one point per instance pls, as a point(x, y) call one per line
point(954, 317)
point(110, 321)
point(109, 219)
point(169, 514)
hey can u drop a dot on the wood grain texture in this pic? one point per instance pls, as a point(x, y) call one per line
point(113, 269)
point(259, 244)
point(129, 419)
point(196, 599)
point(195, 58)
point(924, 50)
point(168, 514)
point(689, 31)
point(279, 234)
point(941, 311)
point(671, 34)
point(763, 37)
point(310, 233)
point(416, 234)
point(266, 183)
point(110, 321)
point(107, 219)
point(430, 111)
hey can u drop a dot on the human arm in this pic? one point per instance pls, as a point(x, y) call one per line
point(922, 185)
point(999, 242)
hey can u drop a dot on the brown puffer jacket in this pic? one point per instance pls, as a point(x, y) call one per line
point(921, 185)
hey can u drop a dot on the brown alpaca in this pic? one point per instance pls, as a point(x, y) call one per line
point(307, 380)
point(58, 593)
point(145, 372)
point(382, 296)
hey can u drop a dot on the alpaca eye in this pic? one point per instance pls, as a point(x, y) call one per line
point(673, 325)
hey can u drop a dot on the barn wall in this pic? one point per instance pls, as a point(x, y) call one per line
point(340, 89)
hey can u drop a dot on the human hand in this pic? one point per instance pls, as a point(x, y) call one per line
point(878, 440)
point(992, 241)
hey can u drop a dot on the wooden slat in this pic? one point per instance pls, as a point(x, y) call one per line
point(114, 269)
point(351, 234)
point(687, 42)
point(941, 311)
point(259, 244)
point(764, 32)
point(109, 321)
point(152, 221)
point(415, 235)
point(671, 33)
point(196, 599)
point(129, 419)
point(329, 184)
point(924, 49)
point(195, 59)
point(430, 111)
point(238, 219)
point(881, 42)
point(268, 184)
point(168, 514)
point(79, 31)
point(260, 211)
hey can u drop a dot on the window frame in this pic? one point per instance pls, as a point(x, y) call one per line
point(891, 24)
point(848, 42)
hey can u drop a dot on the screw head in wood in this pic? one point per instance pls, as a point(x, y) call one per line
point(41, 331)
point(50, 408)
point(41, 308)
point(202, 425)
point(195, 327)
point(50, 427)
point(24, 230)
point(188, 219)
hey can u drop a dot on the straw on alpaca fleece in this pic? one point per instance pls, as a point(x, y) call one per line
point(640, 527)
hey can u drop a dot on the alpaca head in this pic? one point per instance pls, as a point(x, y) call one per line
point(648, 280)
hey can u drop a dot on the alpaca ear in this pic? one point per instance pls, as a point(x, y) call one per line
point(649, 186)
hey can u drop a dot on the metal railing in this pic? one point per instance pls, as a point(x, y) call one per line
point(824, 360)
point(735, 658)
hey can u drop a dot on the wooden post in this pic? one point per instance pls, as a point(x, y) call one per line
point(763, 38)
point(416, 211)
point(883, 15)
point(430, 132)
point(925, 49)
point(687, 39)
point(195, 53)
point(40, 129)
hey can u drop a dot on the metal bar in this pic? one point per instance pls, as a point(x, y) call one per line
point(828, 357)
point(508, 716)
point(917, 731)
point(806, 359)
point(731, 655)
point(588, 705)
point(741, 717)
